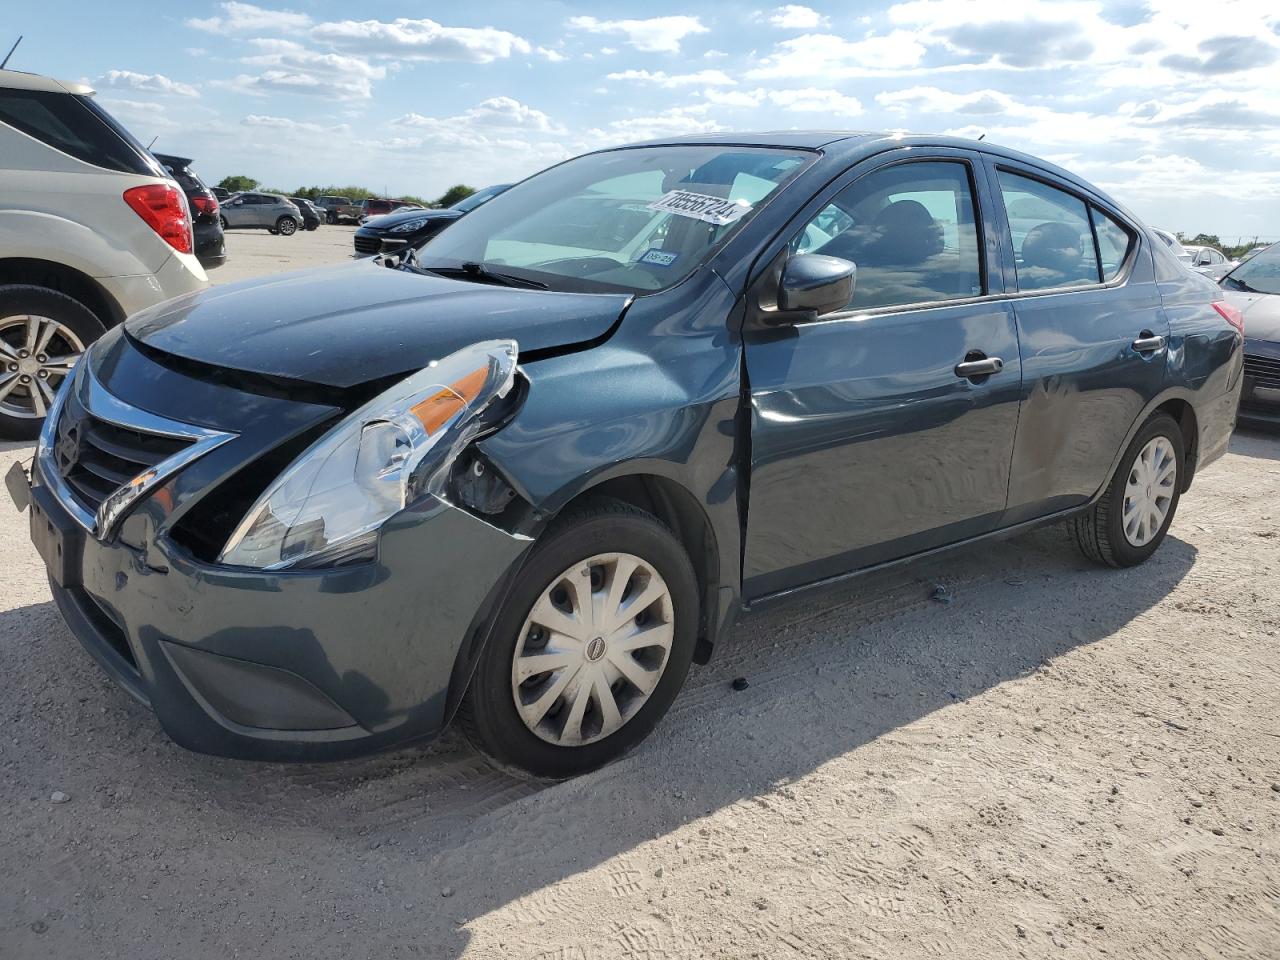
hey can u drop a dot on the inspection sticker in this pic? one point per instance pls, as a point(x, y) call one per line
point(659, 258)
point(699, 206)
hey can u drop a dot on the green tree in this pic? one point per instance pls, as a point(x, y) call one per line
point(459, 191)
point(1205, 240)
point(238, 183)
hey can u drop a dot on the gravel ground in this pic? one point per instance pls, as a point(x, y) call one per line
point(256, 253)
point(1061, 761)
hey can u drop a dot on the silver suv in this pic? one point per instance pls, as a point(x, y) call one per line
point(92, 229)
point(270, 211)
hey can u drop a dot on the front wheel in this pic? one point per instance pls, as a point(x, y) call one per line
point(591, 647)
point(1133, 515)
point(286, 226)
point(42, 334)
point(223, 220)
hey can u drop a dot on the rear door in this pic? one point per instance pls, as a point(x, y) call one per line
point(1093, 332)
point(868, 440)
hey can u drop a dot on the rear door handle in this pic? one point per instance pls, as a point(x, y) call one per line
point(979, 368)
point(1147, 343)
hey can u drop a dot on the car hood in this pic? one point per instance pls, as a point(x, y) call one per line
point(345, 326)
point(388, 220)
point(1261, 313)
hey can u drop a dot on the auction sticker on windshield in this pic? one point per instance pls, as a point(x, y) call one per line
point(700, 206)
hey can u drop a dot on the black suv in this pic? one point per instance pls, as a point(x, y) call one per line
point(211, 248)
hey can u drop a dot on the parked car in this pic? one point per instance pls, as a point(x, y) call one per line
point(1253, 252)
point(377, 207)
point(219, 193)
point(92, 229)
point(211, 248)
point(530, 475)
point(269, 211)
point(410, 226)
point(1253, 288)
point(1174, 244)
point(310, 215)
point(1211, 262)
point(339, 209)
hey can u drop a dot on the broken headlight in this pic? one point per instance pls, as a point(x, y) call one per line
point(328, 504)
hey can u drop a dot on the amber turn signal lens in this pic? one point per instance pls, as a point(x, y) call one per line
point(436, 410)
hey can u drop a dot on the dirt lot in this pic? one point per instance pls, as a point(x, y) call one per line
point(1063, 761)
point(256, 253)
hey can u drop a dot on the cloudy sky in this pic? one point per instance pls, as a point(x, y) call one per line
point(1172, 106)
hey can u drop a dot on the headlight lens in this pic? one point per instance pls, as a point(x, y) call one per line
point(409, 226)
point(391, 452)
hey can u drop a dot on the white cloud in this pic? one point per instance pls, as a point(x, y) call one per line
point(149, 82)
point(934, 100)
point(246, 18)
point(291, 126)
point(421, 40)
point(734, 98)
point(831, 57)
point(703, 78)
point(793, 16)
point(655, 35)
point(814, 100)
point(494, 113)
point(547, 53)
point(289, 67)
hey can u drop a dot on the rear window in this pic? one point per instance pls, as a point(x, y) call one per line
point(78, 127)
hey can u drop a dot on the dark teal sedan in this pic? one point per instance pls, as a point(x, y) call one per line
point(531, 473)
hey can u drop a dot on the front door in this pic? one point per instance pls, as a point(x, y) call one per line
point(1093, 333)
point(870, 437)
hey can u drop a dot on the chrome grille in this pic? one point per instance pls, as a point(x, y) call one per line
point(1265, 371)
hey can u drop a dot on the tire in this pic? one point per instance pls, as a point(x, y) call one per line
point(489, 716)
point(76, 327)
point(331, 219)
point(286, 226)
point(1100, 531)
point(223, 221)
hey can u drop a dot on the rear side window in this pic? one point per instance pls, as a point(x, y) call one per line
point(1052, 236)
point(76, 126)
point(1114, 240)
point(911, 230)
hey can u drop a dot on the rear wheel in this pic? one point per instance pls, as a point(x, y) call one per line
point(223, 221)
point(286, 226)
point(331, 218)
point(591, 647)
point(1131, 519)
point(42, 334)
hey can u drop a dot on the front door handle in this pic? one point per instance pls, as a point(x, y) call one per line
point(1147, 342)
point(979, 368)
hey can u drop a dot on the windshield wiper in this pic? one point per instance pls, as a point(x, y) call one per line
point(479, 273)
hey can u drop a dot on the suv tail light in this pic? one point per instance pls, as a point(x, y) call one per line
point(164, 208)
point(1230, 314)
point(205, 203)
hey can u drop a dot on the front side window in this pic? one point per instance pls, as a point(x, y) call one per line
point(635, 220)
point(1052, 240)
point(1114, 240)
point(911, 230)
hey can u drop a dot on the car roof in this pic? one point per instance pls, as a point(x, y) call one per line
point(850, 146)
point(170, 160)
point(18, 80)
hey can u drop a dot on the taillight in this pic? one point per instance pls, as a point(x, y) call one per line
point(1230, 314)
point(205, 204)
point(164, 208)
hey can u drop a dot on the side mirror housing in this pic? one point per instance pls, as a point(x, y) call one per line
point(815, 284)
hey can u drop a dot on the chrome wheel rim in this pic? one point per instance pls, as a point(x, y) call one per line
point(36, 354)
point(287, 227)
point(592, 649)
point(1148, 493)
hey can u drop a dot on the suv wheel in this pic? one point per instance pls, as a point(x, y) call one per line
point(1131, 518)
point(331, 218)
point(42, 334)
point(287, 226)
point(591, 647)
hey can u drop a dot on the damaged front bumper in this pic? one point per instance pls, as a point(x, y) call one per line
point(311, 664)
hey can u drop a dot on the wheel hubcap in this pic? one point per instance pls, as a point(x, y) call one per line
point(592, 649)
point(36, 353)
point(1148, 493)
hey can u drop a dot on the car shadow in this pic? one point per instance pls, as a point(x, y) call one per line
point(825, 676)
point(1260, 443)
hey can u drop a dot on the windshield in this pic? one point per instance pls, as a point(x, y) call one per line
point(480, 196)
point(1259, 274)
point(634, 220)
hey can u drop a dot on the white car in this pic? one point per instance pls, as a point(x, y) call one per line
point(92, 229)
point(1173, 244)
point(1211, 261)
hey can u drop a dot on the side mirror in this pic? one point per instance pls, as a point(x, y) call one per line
point(816, 284)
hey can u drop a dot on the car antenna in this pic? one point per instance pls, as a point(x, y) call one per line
point(153, 142)
point(982, 135)
point(10, 53)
